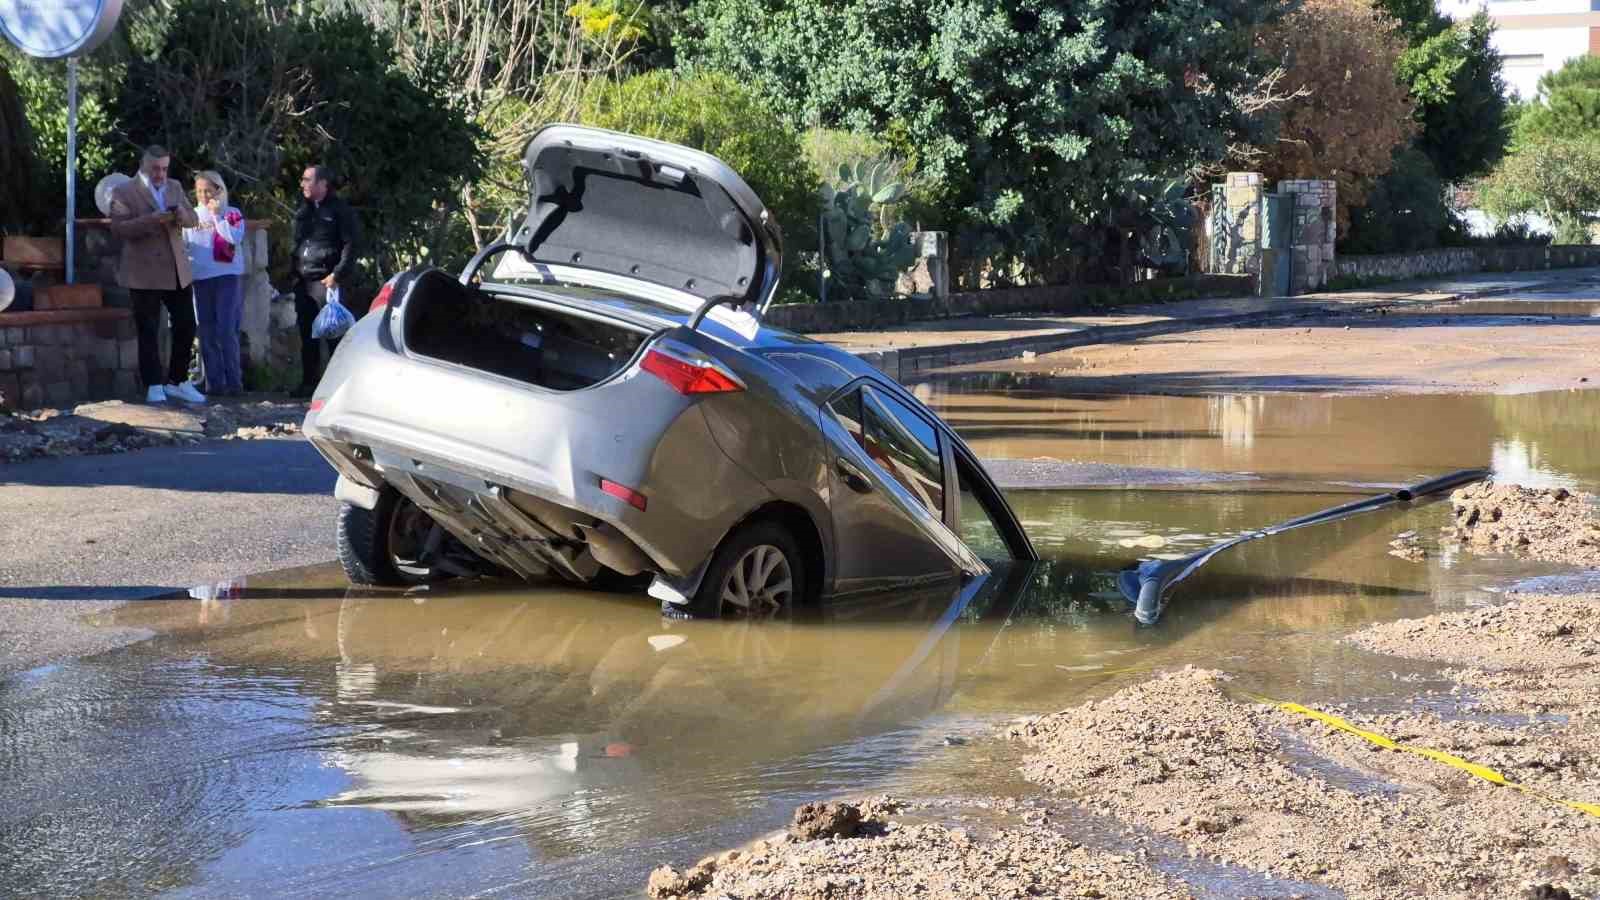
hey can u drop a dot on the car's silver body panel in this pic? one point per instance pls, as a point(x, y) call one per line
point(514, 470)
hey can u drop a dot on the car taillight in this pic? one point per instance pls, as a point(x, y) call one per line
point(624, 493)
point(382, 300)
point(688, 378)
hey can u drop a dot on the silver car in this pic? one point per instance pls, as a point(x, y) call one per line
point(607, 404)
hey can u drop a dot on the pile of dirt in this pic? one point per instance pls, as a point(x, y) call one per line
point(892, 860)
point(1243, 783)
point(1551, 524)
point(1537, 654)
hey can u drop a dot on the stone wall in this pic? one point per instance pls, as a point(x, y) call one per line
point(1400, 266)
point(1315, 228)
point(63, 357)
point(871, 315)
point(1459, 260)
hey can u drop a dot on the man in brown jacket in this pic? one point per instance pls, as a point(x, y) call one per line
point(147, 213)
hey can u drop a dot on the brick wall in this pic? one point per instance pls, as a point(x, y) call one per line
point(62, 357)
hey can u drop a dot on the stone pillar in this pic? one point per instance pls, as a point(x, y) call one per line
point(930, 274)
point(1315, 230)
point(255, 323)
point(1235, 230)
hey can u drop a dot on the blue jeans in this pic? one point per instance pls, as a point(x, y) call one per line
point(218, 306)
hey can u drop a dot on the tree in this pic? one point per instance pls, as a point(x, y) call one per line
point(1405, 210)
point(1454, 76)
point(1556, 177)
point(1030, 119)
point(1566, 104)
point(20, 169)
point(1344, 53)
point(259, 93)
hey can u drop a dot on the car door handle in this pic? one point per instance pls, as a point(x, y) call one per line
point(853, 476)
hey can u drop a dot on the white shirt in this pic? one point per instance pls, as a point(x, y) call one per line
point(201, 243)
point(158, 194)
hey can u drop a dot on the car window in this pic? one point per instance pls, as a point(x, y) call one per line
point(847, 410)
point(906, 446)
point(976, 526)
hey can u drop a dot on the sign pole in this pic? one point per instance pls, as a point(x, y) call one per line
point(72, 163)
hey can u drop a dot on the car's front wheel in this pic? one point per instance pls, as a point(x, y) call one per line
point(394, 544)
point(757, 573)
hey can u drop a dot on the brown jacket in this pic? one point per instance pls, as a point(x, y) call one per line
point(153, 255)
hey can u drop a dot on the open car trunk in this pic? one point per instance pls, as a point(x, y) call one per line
point(556, 348)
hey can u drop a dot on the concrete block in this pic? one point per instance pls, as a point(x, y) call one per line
point(5, 360)
point(32, 395)
point(78, 378)
point(103, 354)
point(51, 364)
point(22, 357)
point(102, 384)
point(58, 394)
point(125, 384)
point(127, 355)
point(10, 391)
point(126, 330)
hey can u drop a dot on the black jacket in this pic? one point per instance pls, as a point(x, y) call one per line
point(325, 238)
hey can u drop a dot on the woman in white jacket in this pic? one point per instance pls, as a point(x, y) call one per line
point(217, 257)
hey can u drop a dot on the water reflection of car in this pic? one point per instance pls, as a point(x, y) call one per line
point(609, 402)
point(519, 709)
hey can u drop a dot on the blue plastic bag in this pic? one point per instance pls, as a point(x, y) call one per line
point(333, 320)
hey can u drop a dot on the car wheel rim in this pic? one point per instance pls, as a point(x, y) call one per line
point(759, 583)
point(414, 540)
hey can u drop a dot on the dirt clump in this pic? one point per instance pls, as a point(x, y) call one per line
point(1552, 524)
point(824, 820)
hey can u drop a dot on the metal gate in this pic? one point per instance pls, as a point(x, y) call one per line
point(1277, 245)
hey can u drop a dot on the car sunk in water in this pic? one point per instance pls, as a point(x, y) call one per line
point(607, 403)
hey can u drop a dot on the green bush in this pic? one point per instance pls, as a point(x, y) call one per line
point(1406, 210)
point(716, 114)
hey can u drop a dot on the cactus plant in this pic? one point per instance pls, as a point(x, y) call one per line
point(862, 254)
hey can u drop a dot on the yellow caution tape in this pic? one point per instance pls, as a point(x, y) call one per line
point(1471, 768)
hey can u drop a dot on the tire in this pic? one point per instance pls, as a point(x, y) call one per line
point(735, 571)
point(365, 539)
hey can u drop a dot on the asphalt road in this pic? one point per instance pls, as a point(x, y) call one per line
point(83, 533)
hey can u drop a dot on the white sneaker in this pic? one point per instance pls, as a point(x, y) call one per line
point(156, 394)
point(185, 392)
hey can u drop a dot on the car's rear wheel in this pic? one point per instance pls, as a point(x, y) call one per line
point(757, 573)
point(394, 544)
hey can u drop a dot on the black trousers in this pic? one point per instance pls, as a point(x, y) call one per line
point(147, 307)
point(305, 312)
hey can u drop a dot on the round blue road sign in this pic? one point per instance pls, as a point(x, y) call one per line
point(53, 29)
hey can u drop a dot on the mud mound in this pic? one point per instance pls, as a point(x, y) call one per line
point(1555, 524)
point(1244, 783)
point(1537, 654)
point(921, 860)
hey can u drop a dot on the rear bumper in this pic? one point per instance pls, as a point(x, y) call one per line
point(515, 472)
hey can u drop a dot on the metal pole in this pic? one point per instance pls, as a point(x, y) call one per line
point(72, 162)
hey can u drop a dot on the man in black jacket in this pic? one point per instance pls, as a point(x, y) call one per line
point(325, 236)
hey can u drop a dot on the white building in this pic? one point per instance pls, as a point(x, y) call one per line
point(1535, 36)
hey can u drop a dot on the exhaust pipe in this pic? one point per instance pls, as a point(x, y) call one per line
point(612, 549)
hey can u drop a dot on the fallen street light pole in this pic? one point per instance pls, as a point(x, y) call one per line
point(1146, 584)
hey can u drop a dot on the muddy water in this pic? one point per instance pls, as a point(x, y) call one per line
point(506, 740)
point(1544, 439)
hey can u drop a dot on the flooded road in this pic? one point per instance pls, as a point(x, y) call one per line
point(506, 740)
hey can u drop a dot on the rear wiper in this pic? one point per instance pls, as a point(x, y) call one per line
point(1146, 584)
